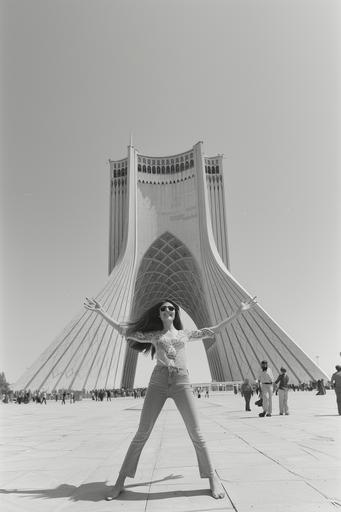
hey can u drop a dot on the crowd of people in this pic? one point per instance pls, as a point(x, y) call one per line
point(63, 396)
point(247, 389)
point(107, 394)
point(40, 397)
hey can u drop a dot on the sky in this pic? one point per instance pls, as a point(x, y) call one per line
point(256, 80)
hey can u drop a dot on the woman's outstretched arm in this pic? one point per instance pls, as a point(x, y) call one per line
point(244, 306)
point(94, 305)
point(209, 332)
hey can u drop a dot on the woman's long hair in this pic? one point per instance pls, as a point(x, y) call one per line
point(150, 321)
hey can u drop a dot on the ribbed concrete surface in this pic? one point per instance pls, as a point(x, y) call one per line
point(65, 457)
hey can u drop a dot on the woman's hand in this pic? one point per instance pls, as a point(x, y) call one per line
point(245, 306)
point(92, 305)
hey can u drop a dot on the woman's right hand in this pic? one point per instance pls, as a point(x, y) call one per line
point(248, 304)
point(92, 305)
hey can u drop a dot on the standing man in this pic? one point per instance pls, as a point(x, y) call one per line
point(336, 381)
point(283, 381)
point(266, 379)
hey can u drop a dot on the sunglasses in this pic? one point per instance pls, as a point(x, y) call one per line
point(170, 308)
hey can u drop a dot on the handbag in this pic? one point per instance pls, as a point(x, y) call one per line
point(259, 402)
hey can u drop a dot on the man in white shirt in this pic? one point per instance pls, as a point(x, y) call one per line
point(266, 379)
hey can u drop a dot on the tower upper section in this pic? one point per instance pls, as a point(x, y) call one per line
point(152, 167)
point(177, 174)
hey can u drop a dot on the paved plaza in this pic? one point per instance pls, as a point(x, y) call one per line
point(65, 457)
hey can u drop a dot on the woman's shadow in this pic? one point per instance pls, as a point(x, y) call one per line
point(97, 491)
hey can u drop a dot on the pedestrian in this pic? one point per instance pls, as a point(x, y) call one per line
point(159, 330)
point(246, 392)
point(321, 390)
point(336, 381)
point(282, 383)
point(265, 379)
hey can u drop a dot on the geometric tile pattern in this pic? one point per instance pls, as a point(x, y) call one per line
point(168, 270)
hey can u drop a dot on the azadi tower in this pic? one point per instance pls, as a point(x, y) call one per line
point(168, 239)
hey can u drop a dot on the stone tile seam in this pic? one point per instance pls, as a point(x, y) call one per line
point(157, 457)
point(226, 492)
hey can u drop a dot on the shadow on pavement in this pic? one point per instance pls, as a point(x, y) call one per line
point(97, 491)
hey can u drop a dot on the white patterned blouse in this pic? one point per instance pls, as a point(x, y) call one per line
point(170, 346)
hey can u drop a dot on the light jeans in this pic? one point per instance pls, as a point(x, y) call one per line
point(283, 401)
point(167, 383)
point(338, 398)
point(267, 398)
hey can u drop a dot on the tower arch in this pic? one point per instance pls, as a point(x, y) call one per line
point(168, 270)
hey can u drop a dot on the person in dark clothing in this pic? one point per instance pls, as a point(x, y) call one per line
point(336, 381)
point(282, 383)
point(321, 390)
point(246, 391)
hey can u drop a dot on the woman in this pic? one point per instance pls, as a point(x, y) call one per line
point(160, 331)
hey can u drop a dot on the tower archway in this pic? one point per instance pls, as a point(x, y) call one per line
point(168, 270)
